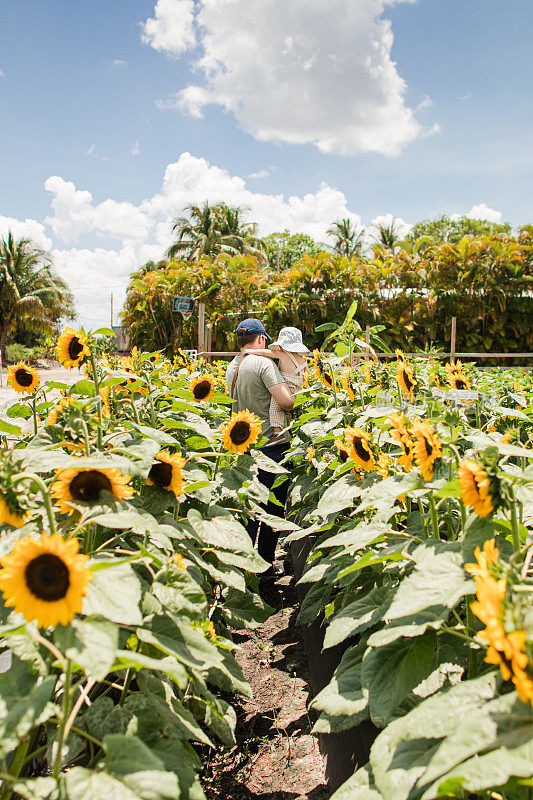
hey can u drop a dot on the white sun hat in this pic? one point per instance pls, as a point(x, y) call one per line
point(290, 339)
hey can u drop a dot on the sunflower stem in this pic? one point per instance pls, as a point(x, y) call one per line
point(217, 462)
point(514, 522)
point(45, 493)
point(64, 716)
point(34, 411)
point(135, 412)
point(97, 393)
point(334, 386)
point(434, 519)
point(85, 436)
point(15, 767)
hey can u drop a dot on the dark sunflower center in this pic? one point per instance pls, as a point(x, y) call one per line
point(201, 390)
point(47, 577)
point(408, 382)
point(327, 379)
point(406, 447)
point(460, 384)
point(23, 377)
point(74, 348)
point(343, 455)
point(240, 433)
point(429, 447)
point(361, 451)
point(161, 474)
point(86, 486)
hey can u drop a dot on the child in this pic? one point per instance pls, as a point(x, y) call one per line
point(287, 349)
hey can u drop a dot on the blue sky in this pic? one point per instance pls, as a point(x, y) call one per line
point(128, 109)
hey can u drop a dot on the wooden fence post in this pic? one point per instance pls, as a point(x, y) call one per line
point(209, 342)
point(452, 340)
point(201, 327)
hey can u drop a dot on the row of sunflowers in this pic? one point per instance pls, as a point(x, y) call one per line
point(414, 482)
point(125, 567)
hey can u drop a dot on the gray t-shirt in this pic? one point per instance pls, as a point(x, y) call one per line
point(256, 374)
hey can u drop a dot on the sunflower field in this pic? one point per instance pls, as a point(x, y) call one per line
point(125, 569)
point(413, 486)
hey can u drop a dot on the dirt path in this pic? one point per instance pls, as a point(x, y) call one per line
point(276, 758)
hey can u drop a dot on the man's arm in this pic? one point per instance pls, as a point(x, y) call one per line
point(282, 393)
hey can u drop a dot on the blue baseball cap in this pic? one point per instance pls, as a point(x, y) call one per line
point(252, 326)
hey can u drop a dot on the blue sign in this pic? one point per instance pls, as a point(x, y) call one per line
point(183, 305)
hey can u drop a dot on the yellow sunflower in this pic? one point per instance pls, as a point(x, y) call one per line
point(57, 410)
point(383, 465)
point(11, 516)
point(399, 354)
point(400, 433)
point(405, 377)
point(45, 580)
point(366, 371)
point(106, 408)
point(474, 482)
point(83, 485)
point(167, 472)
point(23, 378)
point(346, 379)
point(241, 431)
point(427, 448)
point(456, 376)
point(311, 452)
point(523, 685)
point(342, 452)
point(326, 379)
point(72, 348)
point(359, 449)
point(202, 387)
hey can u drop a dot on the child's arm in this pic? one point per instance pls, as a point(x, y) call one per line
point(267, 353)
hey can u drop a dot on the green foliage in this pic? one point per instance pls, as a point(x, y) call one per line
point(285, 248)
point(413, 291)
point(444, 230)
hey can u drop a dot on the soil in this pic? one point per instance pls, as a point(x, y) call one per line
point(275, 757)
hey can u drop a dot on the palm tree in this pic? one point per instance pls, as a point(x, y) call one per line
point(198, 234)
point(32, 296)
point(387, 236)
point(240, 235)
point(347, 240)
point(212, 229)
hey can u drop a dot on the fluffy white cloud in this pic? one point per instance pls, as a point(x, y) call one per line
point(75, 214)
point(171, 28)
point(483, 211)
point(401, 227)
point(26, 229)
point(144, 230)
point(193, 180)
point(300, 72)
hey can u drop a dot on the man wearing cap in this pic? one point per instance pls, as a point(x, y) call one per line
point(252, 381)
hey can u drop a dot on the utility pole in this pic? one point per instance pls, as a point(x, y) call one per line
point(111, 309)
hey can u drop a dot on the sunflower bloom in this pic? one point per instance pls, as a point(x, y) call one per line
point(241, 431)
point(85, 484)
point(359, 449)
point(475, 487)
point(427, 448)
point(72, 348)
point(57, 410)
point(346, 375)
point(456, 376)
point(383, 465)
point(523, 685)
point(23, 378)
point(405, 377)
point(106, 408)
point(326, 379)
point(400, 433)
point(166, 472)
point(202, 387)
point(342, 452)
point(311, 452)
point(484, 559)
point(10, 516)
point(45, 580)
